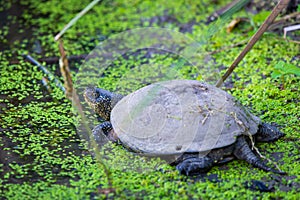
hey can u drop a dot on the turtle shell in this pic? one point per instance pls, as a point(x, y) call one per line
point(178, 116)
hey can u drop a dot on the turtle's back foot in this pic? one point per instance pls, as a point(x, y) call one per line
point(268, 133)
point(243, 152)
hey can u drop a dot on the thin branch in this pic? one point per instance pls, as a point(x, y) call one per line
point(75, 19)
point(278, 8)
point(65, 70)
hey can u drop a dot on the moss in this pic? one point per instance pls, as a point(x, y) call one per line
point(43, 158)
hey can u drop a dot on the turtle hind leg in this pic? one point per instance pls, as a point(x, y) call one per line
point(102, 130)
point(194, 165)
point(243, 152)
point(267, 133)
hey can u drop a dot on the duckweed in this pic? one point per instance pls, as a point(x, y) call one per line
point(42, 157)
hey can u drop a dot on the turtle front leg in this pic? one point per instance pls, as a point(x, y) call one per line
point(267, 133)
point(194, 165)
point(104, 129)
point(243, 152)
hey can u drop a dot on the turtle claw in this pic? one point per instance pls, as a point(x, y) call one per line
point(194, 166)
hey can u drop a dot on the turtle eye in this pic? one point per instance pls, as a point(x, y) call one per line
point(95, 94)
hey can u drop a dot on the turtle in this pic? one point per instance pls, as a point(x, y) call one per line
point(191, 124)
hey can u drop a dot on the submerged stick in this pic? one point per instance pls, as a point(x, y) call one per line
point(49, 75)
point(55, 60)
point(278, 8)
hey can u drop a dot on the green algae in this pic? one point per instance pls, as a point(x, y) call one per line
point(45, 159)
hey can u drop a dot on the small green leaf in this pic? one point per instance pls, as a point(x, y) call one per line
point(283, 68)
point(276, 73)
point(292, 69)
point(280, 65)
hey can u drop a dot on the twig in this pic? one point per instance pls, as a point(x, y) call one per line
point(281, 22)
point(278, 8)
point(74, 20)
point(74, 96)
point(206, 117)
point(290, 28)
point(65, 70)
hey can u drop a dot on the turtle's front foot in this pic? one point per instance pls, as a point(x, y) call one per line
point(102, 130)
point(194, 166)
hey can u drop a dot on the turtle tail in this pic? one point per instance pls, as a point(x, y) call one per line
point(267, 133)
point(243, 152)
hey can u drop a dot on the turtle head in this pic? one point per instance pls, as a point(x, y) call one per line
point(101, 101)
